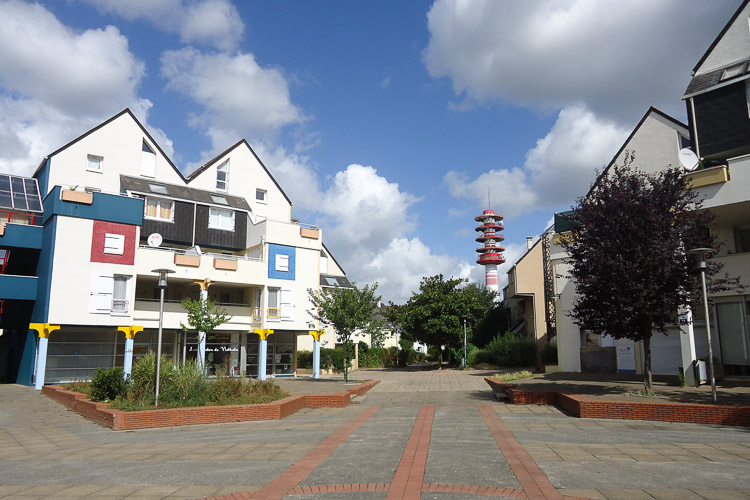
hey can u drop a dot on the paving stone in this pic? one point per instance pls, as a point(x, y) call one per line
point(673, 494)
point(625, 494)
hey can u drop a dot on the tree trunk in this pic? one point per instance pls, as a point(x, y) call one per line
point(647, 375)
point(440, 359)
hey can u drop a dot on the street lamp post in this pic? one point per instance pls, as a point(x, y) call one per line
point(464, 342)
point(162, 286)
point(701, 253)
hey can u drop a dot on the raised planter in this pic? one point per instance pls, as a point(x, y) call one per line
point(187, 260)
point(77, 196)
point(117, 420)
point(585, 407)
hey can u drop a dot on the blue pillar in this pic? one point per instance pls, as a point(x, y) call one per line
point(262, 351)
point(316, 359)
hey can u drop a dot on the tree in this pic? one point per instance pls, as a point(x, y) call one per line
point(203, 316)
point(435, 315)
point(347, 310)
point(628, 245)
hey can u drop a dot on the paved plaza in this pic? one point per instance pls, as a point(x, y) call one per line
point(419, 434)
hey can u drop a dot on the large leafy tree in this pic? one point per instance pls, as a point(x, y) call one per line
point(628, 247)
point(347, 311)
point(435, 314)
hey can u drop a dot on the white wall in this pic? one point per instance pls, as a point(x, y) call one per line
point(732, 47)
point(119, 143)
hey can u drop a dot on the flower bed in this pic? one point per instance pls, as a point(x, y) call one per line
point(585, 407)
point(102, 414)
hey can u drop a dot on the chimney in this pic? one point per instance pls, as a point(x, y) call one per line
point(529, 242)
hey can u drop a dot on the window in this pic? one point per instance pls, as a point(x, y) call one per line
point(219, 199)
point(221, 219)
point(114, 243)
point(273, 303)
point(222, 176)
point(158, 208)
point(148, 160)
point(157, 188)
point(94, 163)
point(282, 263)
point(120, 295)
point(261, 195)
point(742, 239)
point(733, 71)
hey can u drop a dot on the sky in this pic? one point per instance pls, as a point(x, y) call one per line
point(391, 124)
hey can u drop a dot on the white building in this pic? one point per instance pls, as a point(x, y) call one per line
point(116, 208)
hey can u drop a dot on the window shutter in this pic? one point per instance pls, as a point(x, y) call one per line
point(282, 263)
point(287, 304)
point(114, 243)
point(100, 300)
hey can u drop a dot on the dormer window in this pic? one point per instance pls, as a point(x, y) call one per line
point(222, 176)
point(733, 71)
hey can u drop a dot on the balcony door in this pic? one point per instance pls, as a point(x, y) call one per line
point(733, 335)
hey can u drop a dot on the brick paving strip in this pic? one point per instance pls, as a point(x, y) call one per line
point(407, 482)
point(533, 481)
point(290, 478)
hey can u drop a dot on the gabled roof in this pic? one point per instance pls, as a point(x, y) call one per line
point(104, 124)
point(720, 35)
point(141, 186)
point(216, 158)
point(651, 110)
point(334, 258)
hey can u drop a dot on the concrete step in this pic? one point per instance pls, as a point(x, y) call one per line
point(355, 400)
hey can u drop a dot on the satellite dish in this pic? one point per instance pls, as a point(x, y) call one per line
point(688, 160)
point(154, 240)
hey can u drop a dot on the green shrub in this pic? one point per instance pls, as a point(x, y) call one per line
point(509, 350)
point(304, 359)
point(363, 347)
point(433, 353)
point(333, 358)
point(457, 355)
point(107, 384)
point(374, 357)
point(391, 357)
point(406, 355)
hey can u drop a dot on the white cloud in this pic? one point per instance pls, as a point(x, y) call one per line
point(216, 23)
point(239, 98)
point(558, 169)
point(55, 83)
point(616, 58)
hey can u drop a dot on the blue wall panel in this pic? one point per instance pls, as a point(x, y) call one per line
point(26, 368)
point(273, 251)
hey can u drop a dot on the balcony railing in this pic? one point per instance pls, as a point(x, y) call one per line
point(120, 306)
point(274, 313)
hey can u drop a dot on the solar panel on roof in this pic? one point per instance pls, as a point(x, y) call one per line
point(19, 193)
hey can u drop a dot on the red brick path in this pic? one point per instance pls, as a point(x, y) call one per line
point(408, 481)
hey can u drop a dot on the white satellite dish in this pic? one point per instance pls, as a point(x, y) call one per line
point(688, 160)
point(154, 240)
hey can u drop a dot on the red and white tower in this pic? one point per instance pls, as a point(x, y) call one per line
point(490, 254)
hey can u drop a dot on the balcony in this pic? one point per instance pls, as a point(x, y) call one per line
point(18, 287)
point(146, 314)
point(707, 177)
point(735, 265)
point(218, 267)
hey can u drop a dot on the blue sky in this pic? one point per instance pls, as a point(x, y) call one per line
point(386, 121)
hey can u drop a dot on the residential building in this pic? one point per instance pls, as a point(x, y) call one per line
point(116, 209)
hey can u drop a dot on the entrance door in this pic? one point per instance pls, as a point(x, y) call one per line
point(733, 336)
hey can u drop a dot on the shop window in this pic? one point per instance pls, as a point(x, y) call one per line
point(219, 218)
point(158, 208)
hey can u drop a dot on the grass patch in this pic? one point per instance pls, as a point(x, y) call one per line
point(510, 377)
point(642, 394)
point(84, 387)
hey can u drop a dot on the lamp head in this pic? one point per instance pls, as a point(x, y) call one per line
point(162, 277)
point(702, 254)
